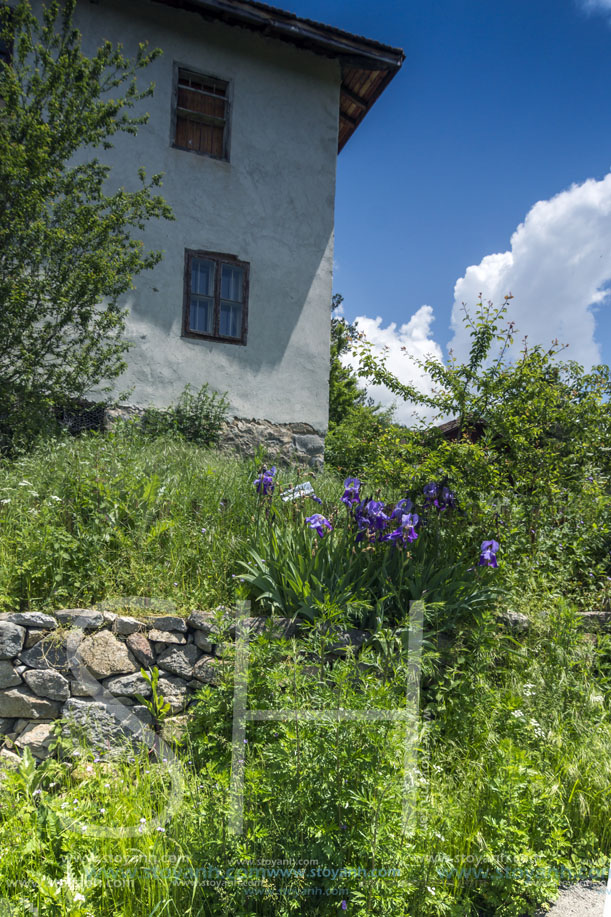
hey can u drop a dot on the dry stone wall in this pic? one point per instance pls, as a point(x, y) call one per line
point(84, 665)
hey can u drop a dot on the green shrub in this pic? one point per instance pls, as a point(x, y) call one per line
point(198, 417)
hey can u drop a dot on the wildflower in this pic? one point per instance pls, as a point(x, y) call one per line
point(204, 531)
point(316, 499)
point(102, 811)
point(430, 492)
point(159, 828)
point(344, 904)
point(488, 554)
point(406, 531)
point(265, 482)
point(351, 491)
point(402, 507)
point(318, 522)
point(79, 897)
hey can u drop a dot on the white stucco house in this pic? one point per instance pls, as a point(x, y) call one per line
point(251, 107)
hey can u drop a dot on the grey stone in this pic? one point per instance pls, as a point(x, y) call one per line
point(174, 728)
point(104, 723)
point(33, 636)
point(276, 628)
point(515, 620)
point(85, 618)
point(201, 640)
point(204, 621)
point(6, 725)
point(207, 671)
point(51, 653)
point(142, 648)
point(20, 702)
point(168, 622)
point(47, 683)
point(12, 637)
point(128, 685)
point(8, 676)
point(310, 444)
point(174, 691)
point(9, 758)
point(89, 688)
point(126, 626)
point(348, 638)
point(37, 737)
point(143, 714)
point(164, 636)
point(109, 616)
point(104, 655)
point(595, 619)
point(30, 619)
point(179, 661)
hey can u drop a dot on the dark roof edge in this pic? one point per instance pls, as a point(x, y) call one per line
point(317, 37)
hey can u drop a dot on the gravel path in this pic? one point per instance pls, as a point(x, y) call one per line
point(584, 900)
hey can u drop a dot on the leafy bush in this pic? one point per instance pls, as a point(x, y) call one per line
point(198, 417)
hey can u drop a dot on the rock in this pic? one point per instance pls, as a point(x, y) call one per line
point(276, 628)
point(12, 637)
point(30, 619)
point(89, 688)
point(143, 714)
point(9, 758)
point(33, 636)
point(109, 616)
point(125, 625)
point(207, 671)
point(21, 702)
point(6, 725)
point(104, 655)
point(85, 618)
point(37, 737)
point(129, 685)
point(515, 620)
point(174, 690)
point(343, 639)
point(595, 619)
point(142, 649)
point(201, 640)
point(179, 661)
point(51, 653)
point(8, 676)
point(104, 723)
point(168, 622)
point(174, 728)
point(164, 636)
point(205, 621)
point(47, 683)
point(313, 446)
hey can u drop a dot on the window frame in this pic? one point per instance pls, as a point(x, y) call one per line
point(219, 259)
point(197, 74)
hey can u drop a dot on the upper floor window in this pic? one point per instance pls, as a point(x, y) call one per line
point(215, 297)
point(201, 117)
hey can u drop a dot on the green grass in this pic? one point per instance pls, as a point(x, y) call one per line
point(513, 742)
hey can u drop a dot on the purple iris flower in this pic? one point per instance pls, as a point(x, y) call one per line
point(402, 507)
point(488, 554)
point(351, 491)
point(448, 498)
point(316, 499)
point(376, 516)
point(318, 522)
point(406, 532)
point(265, 482)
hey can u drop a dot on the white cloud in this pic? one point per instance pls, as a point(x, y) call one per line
point(596, 5)
point(557, 269)
point(415, 336)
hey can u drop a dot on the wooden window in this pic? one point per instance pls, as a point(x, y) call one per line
point(201, 121)
point(215, 297)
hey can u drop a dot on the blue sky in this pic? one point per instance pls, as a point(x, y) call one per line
point(500, 104)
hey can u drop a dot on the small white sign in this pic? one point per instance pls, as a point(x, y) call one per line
point(300, 490)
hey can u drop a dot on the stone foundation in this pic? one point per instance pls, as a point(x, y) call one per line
point(284, 443)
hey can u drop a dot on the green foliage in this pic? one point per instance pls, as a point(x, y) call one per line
point(198, 418)
point(156, 705)
point(344, 390)
point(67, 250)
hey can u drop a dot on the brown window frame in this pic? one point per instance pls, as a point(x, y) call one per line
point(197, 116)
point(219, 259)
